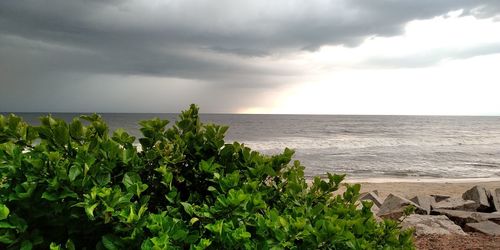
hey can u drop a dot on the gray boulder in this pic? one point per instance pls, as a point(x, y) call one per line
point(480, 196)
point(495, 199)
point(486, 227)
point(424, 201)
point(394, 206)
point(372, 196)
point(431, 224)
point(463, 217)
point(455, 204)
point(439, 197)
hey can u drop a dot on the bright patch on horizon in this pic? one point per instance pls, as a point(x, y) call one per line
point(445, 65)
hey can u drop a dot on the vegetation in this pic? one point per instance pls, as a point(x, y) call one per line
point(75, 186)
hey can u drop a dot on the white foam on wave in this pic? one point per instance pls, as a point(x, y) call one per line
point(356, 142)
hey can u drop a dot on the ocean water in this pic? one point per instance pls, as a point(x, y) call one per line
point(360, 146)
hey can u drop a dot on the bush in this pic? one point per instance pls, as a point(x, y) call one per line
point(73, 186)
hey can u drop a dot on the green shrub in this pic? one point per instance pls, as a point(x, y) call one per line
point(74, 186)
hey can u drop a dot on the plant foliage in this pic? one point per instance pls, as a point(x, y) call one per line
point(77, 186)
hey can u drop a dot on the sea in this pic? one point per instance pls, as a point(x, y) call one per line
point(428, 147)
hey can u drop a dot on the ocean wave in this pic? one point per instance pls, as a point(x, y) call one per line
point(362, 143)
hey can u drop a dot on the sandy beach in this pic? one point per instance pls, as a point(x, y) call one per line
point(412, 187)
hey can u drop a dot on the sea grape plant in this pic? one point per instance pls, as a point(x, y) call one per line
point(77, 186)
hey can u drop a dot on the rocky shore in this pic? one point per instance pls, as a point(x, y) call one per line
point(467, 221)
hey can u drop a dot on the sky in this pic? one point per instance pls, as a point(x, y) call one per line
point(407, 57)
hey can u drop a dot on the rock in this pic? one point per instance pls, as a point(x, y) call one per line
point(431, 224)
point(480, 196)
point(458, 216)
point(394, 206)
point(463, 217)
point(486, 227)
point(372, 196)
point(495, 220)
point(495, 199)
point(439, 197)
point(424, 202)
point(493, 217)
point(455, 204)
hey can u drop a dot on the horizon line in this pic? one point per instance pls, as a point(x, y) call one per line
point(227, 113)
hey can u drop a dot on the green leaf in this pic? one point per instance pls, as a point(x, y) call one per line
point(179, 234)
point(76, 129)
point(90, 210)
point(4, 224)
point(129, 179)
point(7, 237)
point(4, 212)
point(61, 133)
point(54, 246)
point(74, 172)
point(50, 196)
point(187, 207)
point(193, 220)
point(25, 190)
point(204, 243)
point(111, 242)
point(132, 183)
point(103, 178)
point(70, 245)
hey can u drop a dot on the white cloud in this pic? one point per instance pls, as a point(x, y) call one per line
point(454, 79)
point(456, 87)
point(424, 42)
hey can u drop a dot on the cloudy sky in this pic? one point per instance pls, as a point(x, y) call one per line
point(282, 56)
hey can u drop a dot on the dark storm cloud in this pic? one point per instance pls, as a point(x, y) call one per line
point(223, 42)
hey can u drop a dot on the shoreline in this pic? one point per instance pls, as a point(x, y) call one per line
point(419, 180)
point(411, 187)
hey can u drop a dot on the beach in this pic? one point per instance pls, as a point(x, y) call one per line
point(412, 187)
